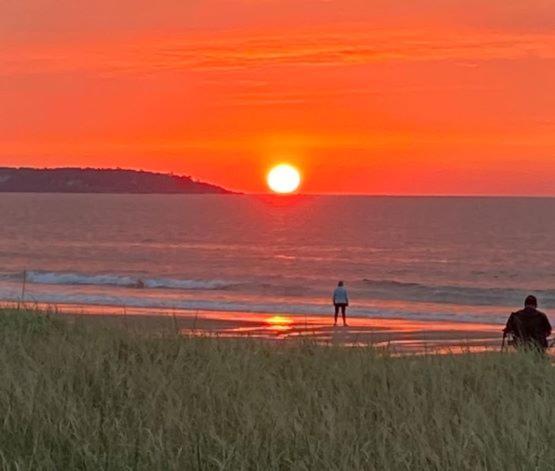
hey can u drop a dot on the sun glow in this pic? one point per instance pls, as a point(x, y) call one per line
point(284, 179)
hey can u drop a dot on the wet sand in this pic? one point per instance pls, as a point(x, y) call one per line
point(396, 335)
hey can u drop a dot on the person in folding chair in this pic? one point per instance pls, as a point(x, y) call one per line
point(529, 327)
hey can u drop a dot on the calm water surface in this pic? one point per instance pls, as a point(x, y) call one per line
point(467, 259)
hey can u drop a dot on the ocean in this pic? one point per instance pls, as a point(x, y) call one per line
point(426, 258)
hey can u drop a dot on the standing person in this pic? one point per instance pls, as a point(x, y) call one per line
point(529, 327)
point(340, 301)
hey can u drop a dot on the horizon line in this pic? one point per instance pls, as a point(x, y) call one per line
point(401, 195)
point(237, 192)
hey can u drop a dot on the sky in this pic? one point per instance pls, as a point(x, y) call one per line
point(364, 96)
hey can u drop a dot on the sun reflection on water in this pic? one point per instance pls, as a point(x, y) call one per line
point(279, 323)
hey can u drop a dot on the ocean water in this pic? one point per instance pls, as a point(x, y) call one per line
point(456, 259)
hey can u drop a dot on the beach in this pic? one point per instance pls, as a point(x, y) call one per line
point(396, 336)
point(290, 235)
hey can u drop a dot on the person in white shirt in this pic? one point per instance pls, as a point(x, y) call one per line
point(340, 301)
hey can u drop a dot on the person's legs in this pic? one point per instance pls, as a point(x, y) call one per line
point(343, 312)
point(336, 313)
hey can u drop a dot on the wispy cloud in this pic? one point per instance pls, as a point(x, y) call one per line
point(306, 49)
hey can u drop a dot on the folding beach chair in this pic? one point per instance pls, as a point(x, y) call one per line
point(508, 341)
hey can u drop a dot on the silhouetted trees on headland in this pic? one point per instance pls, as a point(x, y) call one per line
point(88, 180)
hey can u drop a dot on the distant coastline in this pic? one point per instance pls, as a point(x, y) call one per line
point(90, 180)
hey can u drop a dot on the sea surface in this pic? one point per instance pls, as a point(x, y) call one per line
point(454, 259)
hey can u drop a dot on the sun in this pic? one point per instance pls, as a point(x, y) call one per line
point(284, 179)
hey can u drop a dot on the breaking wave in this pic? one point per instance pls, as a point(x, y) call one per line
point(450, 294)
point(127, 281)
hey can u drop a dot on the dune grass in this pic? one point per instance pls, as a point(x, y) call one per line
point(83, 396)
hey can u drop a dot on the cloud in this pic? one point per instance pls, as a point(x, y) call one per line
point(304, 49)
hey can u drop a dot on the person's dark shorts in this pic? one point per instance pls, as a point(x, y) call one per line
point(341, 306)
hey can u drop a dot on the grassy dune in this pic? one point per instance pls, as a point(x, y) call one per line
point(84, 396)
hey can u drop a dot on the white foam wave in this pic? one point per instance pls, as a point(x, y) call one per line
point(76, 279)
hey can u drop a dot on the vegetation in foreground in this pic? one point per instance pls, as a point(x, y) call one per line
point(83, 396)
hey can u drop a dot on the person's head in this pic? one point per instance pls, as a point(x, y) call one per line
point(340, 283)
point(531, 301)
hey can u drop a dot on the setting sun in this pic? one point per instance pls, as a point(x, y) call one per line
point(284, 179)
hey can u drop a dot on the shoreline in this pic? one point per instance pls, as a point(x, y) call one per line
point(400, 336)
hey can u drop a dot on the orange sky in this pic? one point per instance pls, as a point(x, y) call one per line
point(365, 96)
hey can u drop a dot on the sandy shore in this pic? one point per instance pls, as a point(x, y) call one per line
point(398, 335)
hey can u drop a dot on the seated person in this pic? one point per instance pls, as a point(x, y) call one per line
point(529, 327)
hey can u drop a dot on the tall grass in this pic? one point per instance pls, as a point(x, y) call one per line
point(82, 396)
